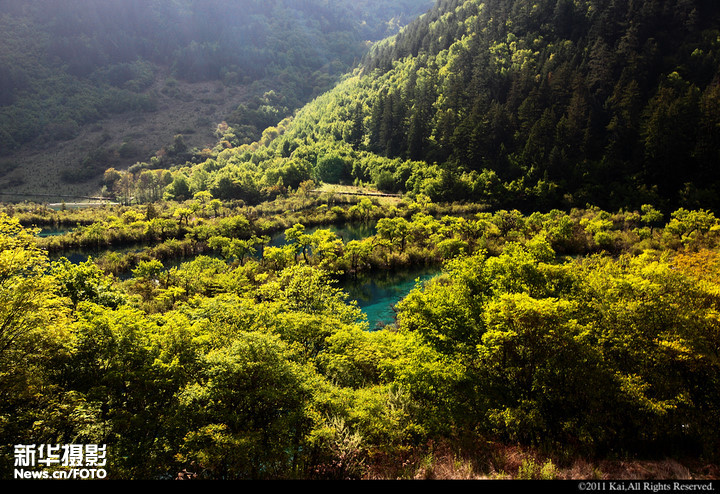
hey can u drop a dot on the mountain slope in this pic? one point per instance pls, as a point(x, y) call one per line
point(68, 67)
point(550, 103)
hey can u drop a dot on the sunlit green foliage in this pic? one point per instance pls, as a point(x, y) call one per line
point(595, 352)
point(254, 365)
point(586, 332)
point(513, 106)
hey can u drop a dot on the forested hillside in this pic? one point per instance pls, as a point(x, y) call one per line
point(550, 172)
point(542, 104)
point(66, 66)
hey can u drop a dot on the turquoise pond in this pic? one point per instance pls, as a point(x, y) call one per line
point(375, 293)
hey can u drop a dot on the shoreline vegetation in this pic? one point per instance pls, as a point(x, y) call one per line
point(563, 271)
point(458, 227)
point(555, 164)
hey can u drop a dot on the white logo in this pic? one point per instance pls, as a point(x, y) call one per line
point(60, 461)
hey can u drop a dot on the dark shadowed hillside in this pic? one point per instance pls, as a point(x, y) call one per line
point(550, 103)
point(85, 85)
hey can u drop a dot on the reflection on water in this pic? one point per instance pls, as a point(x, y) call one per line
point(78, 256)
point(345, 232)
point(377, 293)
point(51, 232)
point(61, 206)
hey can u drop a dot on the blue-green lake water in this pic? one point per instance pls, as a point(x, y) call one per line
point(51, 232)
point(376, 293)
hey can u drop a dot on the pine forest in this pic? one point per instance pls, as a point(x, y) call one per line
point(360, 240)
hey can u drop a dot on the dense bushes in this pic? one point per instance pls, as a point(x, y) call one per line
point(258, 367)
point(597, 355)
